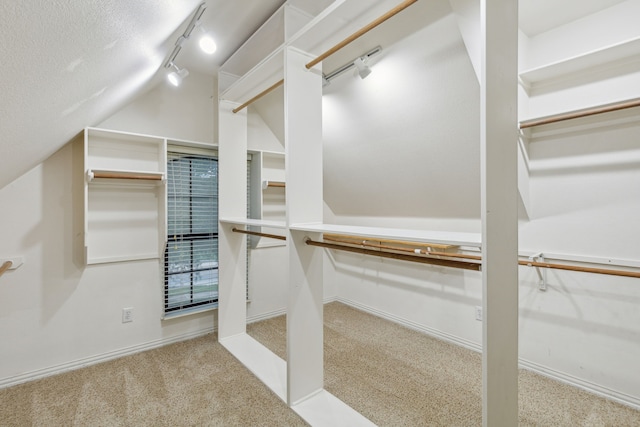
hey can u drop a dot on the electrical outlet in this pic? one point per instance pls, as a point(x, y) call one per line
point(127, 315)
point(478, 313)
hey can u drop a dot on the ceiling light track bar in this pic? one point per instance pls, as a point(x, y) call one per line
point(361, 32)
point(351, 64)
point(258, 96)
point(187, 33)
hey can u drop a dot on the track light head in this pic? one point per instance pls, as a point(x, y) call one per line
point(362, 69)
point(175, 77)
point(207, 44)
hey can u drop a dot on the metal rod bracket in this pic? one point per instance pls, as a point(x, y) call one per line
point(542, 275)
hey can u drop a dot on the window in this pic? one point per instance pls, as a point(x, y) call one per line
point(191, 256)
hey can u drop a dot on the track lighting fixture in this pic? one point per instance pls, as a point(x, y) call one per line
point(206, 43)
point(360, 65)
point(325, 80)
point(175, 77)
point(361, 68)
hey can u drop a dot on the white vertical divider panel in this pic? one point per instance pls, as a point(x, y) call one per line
point(232, 247)
point(499, 178)
point(303, 159)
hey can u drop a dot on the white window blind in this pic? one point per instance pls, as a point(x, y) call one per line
point(191, 257)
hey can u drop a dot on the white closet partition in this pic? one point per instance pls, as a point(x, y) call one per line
point(232, 247)
point(303, 143)
point(499, 196)
point(304, 211)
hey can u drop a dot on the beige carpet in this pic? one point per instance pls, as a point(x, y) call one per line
point(392, 375)
point(192, 383)
point(398, 377)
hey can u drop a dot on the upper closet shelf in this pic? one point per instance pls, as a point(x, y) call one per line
point(312, 26)
point(254, 222)
point(436, 237)
point(580, 63)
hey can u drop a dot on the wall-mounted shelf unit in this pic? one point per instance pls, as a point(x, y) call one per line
point(579, 64)
point(124, 196)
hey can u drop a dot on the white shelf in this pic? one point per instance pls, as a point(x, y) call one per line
point(263, 363)
point(441, 237)
point(254, 222)
point(124, 214)
point(580, 63)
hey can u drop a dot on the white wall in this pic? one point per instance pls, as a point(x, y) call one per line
point(55, 312)
point(185, 112)
point(404, 153)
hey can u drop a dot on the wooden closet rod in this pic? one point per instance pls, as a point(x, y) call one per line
point(392, 255)
point(256, 233)
point(611, 272)
point(5, 266)
point(582, 269)
point(258, 96)
point(278, 184)
point(357, 240)
point(623, 105)
point(361, 32)
point(116, 175)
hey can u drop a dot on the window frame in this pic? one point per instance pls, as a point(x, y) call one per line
point(191, 153)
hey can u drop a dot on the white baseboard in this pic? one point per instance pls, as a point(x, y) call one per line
point(593, 388)
point(413, 325)
point(93, 360)
point(280, 312)
point(265, 316)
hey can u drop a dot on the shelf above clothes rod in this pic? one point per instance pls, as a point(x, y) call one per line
point(616, 106)
point(361, 32)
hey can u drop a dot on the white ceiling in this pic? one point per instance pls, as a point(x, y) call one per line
point(71, 64)
point(68, 64)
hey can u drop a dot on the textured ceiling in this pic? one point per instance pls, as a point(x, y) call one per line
point(67, 64)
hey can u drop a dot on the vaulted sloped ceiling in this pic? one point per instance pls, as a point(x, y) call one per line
point(67, 64)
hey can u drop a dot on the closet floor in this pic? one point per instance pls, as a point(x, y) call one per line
point(399, 377)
